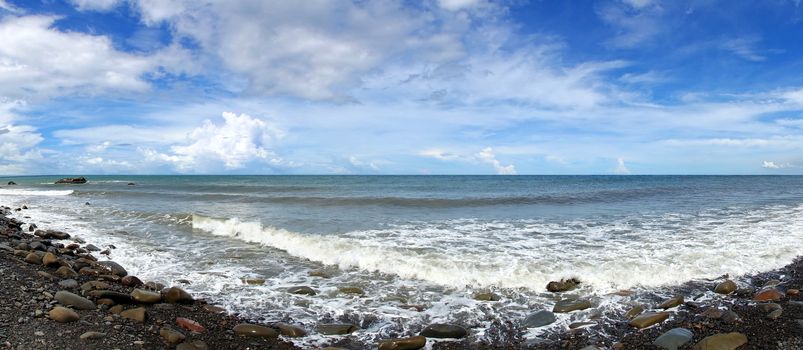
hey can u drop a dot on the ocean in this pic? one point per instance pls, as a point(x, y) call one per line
point(420, 247)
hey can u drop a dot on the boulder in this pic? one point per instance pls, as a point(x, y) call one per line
point(131, 281)
point(63, 315)
point(722, 341)
point(50, 259)
point(177, 295)
point(539, 319)
point(252, 330)
point(562, 285)
point(564, 306)
point(726, 287)
point(114, 267)
point(336, 328)
point(441, 330)
point(33, 258)
point(76, 301)
point(289, 330)
point(648, 319)
point(137, 314)
point(672, 302)
point(674, 338)
point(145, 297)
point(769, 294)
point(72, 180)
point(65, 271)
point(411, 343)
point(171, 336)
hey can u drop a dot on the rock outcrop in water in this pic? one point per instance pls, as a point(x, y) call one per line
point(562, 285)
point(72, 180)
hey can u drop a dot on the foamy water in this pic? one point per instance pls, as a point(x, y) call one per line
point(433, 256)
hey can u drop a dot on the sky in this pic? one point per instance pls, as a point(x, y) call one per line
point(401, 87)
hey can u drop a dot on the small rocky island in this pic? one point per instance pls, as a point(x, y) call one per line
point(72, 180)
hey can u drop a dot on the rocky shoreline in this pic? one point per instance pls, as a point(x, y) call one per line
point(56, 295)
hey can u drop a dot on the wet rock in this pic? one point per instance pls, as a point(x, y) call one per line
point(107, 302)
point(635, 311)
point(131, 281)
point(674, 338)
point(792, 292)
point(11, 183)
point(65, 271)
point(68, 283)
point(672, 302)
point(539, 319)
point(177, 295)
point(145, 297)
point(189, 325)
point(768, 307)
point(712, 313)
point(92, 248)
point(92, 335)
point(193, 345)
point(564, 306)
point(93, 285)
point(411, 343)
point(730, 317)
point(726, 287)
point(722, 341)
point(441, 330)
point(118, 297)
point(253, 281)
point(214, 309)
point(63, 315)
point(320, 273)
point(575, 325)
point(770, 294)
point(487, 296)
point(171, 336)
point(33, 258)
point(154, 286)
point(562, 285)
point(289, 330)
point(114, 267)
point(50, 259)
point(252, 330)
point(301, 290)
point(336, 328)
point(775, 314)
point(351, 290)
point(74, 300)
point(648, 319)
point(137, 314)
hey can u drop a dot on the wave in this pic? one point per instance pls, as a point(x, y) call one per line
point(8, 192)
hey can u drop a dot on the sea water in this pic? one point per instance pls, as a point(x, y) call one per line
point(420, 247)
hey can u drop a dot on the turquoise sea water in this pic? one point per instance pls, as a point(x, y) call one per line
point(428, 240)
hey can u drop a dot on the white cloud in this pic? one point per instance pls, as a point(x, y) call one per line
point(357, 163)
point(635, 22)
point(96, 5)
point(18, 148)
point(791, 141)
point(639, 4)
point(772, 165)
point(39, 61)
point(97, 137)
point(240, 140)
point(487, 156)
point(744, 48)
point(621, 168)
point(438, 154)
point(454, 5)
point(4, 5)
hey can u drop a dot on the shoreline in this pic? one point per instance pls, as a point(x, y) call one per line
point(30, 289)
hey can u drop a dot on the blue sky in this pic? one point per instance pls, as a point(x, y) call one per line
point(401, 87)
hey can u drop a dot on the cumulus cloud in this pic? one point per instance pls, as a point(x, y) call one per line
point(487, 156)
point(621, 168)
point(18, 148)
point(240, 140)
point(772, 165)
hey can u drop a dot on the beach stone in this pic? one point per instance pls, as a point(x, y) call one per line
point(33, 258)
point(253, 281)
point(770, 294)
point(648, 319)
point(562, 285)
point(301, 290)
point(177, 295)
point(193, 345)
point(145, 297)
point(107, 302)
point(117, 309)
point(74, 300)
point(441, 330)
point(489, 296)
point(289, 330)
point(115, 268)
point(411, 343)
point(565, 306)
point(726, 287)
point(712, 313)
point(92, 285)
point(320, 273)
point(336, 328)
point(131, 281)
point(118, 297)
point(68, 283)
point(722, 341)
point(154, 286)
point(768, 307)
point(65, 271)
point(674, 338)
point(63, 315)
point(730, 317)
point(171, 336)
point(252, 330)
point(45, 275)
point(774, 315)
point(590, 347)
point(635, 311)
point(575, 325)
point(136, 314)
point(50, 259)
point(672, 302)
point(189, 325)
point(351, 290)
point(92, 335)
point(792, 292)
point(214, 309)
point(539, 319)
point(92, 248)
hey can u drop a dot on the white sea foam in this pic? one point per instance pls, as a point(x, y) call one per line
point(9, 192)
